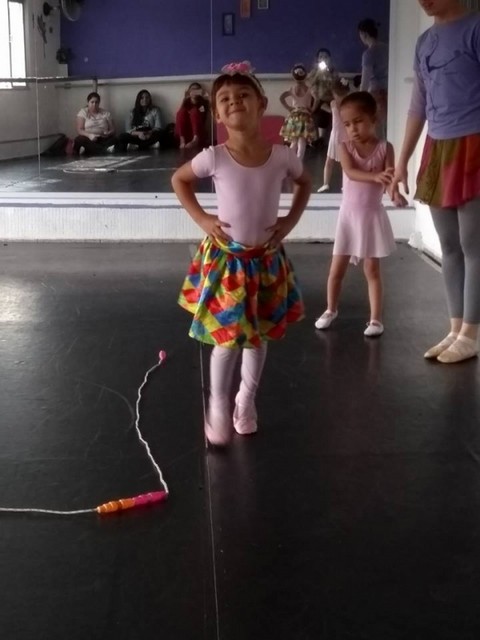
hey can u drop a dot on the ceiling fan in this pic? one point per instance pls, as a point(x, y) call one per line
point(71, 9)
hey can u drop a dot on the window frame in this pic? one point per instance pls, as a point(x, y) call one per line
point(5, 85)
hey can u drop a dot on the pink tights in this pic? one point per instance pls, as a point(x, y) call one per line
point(222, 370)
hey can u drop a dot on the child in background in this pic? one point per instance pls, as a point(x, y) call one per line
point(299, 128)
point(338, 134)
point(363, 228)
point(240, 288)
point(191, 119)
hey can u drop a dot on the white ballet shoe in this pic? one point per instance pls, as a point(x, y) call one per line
point(374, 329)
point(218, 424)
point(325, 319)
point(323, 188)
point(245, 419)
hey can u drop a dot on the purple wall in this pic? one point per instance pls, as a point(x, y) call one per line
point(125, 38)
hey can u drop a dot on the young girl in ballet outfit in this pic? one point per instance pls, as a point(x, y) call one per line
point(299, 127)
point(363, 228)
point(240, 287)
point(338, 134)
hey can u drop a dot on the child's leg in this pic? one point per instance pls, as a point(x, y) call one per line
point(301, 147)
point(337, 272)
point(218, 423)
point(338, 268)
point(328, 170)
point(245, 415)
point(371, 269)
point(327, 174)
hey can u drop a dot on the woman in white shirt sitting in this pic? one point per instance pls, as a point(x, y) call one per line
point(95, 128)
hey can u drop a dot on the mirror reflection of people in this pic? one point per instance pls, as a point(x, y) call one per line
point(320, 80)
point(143, 126)
point(363, 228)
point(446, 94)
point(299, 128)
point(191, 122)
point(95, 128)
point(338, 135)
point(240, 288)
point(375, 68)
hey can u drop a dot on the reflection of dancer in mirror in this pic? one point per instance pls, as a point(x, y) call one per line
point(299, 127)
point(240, 287)
point(375, 69)
point(95, 128)
point(338, 135)
point(446, 93)
point(363, 228)
point(320, 80)
point(143, 126)
point(191, 119)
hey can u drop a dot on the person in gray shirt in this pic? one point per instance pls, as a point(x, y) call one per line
point(375, 69)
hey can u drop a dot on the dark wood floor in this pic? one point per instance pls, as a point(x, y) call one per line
point(132, 172)
point(354, 513)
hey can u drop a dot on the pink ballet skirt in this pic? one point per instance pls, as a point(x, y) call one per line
point(363, 228)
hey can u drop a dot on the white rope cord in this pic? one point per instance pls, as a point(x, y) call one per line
point(144, 443)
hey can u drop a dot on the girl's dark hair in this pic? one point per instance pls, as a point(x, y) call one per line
point(235, 78)
point(363, 100)
point(370, 27)
point(94, 94)
point(138, 110)
point(324, 50)
point(201, 101)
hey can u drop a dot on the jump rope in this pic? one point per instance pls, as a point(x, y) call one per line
point(123, 503)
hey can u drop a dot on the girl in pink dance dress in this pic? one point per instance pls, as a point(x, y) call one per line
point(363, 228)
point(240, 288)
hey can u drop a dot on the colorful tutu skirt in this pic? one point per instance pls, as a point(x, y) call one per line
point(299, 124)
point(449, 172)
point(240, 296)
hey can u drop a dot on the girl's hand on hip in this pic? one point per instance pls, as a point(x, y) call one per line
point(212, 226)
point(279, 231)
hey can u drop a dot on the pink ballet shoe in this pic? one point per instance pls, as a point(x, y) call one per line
point(245, 419)
point(218, 425)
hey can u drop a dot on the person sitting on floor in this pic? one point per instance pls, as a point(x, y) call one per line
point(192, 118)
point(144, 125)
point(95, 128)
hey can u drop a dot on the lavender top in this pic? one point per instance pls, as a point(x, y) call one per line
point(375, 68)
point(446, 89)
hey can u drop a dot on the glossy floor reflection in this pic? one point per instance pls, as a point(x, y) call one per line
point(131, 172)
point(353, 513)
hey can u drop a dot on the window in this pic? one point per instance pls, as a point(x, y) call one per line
point(12, 42)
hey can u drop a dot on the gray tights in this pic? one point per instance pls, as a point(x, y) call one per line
point(459, 233)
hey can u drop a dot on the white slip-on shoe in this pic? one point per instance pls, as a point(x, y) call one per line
point(374, 328)
point(326, 319)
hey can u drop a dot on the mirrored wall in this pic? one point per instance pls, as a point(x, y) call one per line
point(118, 51)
